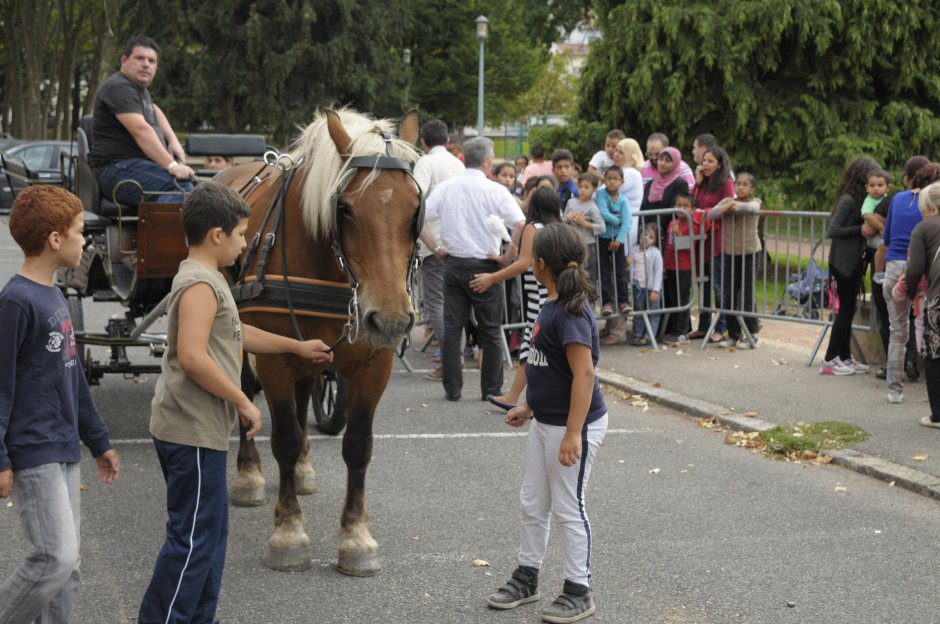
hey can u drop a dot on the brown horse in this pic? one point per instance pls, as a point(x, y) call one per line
point(378, 209)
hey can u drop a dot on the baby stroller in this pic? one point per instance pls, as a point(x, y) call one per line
point(808, 292)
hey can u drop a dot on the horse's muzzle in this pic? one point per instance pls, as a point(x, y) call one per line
point(386, 330)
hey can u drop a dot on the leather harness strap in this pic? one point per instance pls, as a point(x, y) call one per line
point(285, 294)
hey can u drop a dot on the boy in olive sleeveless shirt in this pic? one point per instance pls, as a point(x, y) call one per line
point(195, 405)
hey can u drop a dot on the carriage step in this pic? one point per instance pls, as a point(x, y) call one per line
point(104, 295)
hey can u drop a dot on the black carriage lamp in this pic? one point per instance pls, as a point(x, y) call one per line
point(483, 32)
point(406, 57)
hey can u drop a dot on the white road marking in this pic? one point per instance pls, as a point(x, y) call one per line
point(403, 436)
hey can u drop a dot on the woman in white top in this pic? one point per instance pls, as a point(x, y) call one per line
point(629, 157)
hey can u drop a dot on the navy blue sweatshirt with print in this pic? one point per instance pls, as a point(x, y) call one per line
point(45, 405)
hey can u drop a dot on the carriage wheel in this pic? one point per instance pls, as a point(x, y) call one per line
point(329, 398)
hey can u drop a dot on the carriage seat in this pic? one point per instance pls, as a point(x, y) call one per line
point(86, 182)
point(228, 145)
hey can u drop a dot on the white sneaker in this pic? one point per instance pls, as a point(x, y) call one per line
point(727, 342)
point(895, 396)
point(835, 366)
point(857, 366)
point(744, 344)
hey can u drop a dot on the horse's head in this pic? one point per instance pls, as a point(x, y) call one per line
point(375, 211)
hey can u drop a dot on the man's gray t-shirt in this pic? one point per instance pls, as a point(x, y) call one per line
point(110, 140)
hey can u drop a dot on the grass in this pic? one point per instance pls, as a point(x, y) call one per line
point(830, 435)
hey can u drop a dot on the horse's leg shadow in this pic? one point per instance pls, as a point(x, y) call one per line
point(248, 486)
point(304, 473)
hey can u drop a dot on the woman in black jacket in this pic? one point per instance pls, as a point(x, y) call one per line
point(845, 264)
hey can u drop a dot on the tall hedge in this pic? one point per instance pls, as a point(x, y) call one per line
point(792, 88)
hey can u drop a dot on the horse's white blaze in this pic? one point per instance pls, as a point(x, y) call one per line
point(386, 196)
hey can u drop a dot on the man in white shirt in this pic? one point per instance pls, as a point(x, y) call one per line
point(462, 206)
point(436, 166)
point(655, 145)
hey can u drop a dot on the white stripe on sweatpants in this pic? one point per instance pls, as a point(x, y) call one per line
point(550, 489)
point(192, 533)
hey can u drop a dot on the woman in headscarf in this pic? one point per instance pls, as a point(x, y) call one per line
point(667, 183)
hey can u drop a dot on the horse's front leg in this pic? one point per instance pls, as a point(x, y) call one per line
point(289, 545)
point(304, 474)
point(248, 486)
point(358, 551)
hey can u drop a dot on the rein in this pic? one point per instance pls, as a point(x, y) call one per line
point(315, 297)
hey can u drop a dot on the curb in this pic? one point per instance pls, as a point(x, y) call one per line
point(869, 465)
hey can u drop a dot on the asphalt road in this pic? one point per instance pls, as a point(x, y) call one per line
point(686, 528)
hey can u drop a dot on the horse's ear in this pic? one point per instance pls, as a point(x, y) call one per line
point(341, 138)
point(409, 127)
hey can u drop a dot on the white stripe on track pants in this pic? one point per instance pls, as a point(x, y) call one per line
point(550, 489)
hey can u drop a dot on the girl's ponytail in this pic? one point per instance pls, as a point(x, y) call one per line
point(560, 246)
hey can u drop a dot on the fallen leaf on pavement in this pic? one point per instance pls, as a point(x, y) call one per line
point(480, 563)
point(656, 384)
point(620, 461)
point(891, 484)
point(750, 414)
point(654, 471)
point(10, 504)
point(920, 458)
point(424, 405)
point(841, 489)
point(775, 362)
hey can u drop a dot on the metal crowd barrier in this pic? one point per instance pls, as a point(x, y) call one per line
point(683, 243)
point(785, 278)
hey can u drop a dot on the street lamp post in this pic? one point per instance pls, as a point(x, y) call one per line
point(406, 59)
point(483, 31)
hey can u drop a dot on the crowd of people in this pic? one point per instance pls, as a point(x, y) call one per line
point(646, 220)
point(894, 238)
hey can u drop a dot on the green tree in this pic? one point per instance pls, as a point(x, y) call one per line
point(545, 20)
point(267, 65)
point(554, 90)
point(793, 89)
point(442, 35)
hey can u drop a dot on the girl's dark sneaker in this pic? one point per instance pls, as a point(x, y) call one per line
point(575, 603)
point(521, 588)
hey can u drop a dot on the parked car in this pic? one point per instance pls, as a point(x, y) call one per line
point(40, 157)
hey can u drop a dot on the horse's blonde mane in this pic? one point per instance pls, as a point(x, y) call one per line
point(325, 167)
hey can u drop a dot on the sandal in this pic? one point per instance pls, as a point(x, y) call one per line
point(607, 310)
point(625, 308)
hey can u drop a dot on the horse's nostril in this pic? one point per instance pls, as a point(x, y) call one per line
point(371, 320)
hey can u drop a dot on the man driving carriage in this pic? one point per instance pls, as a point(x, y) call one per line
point(131, 137)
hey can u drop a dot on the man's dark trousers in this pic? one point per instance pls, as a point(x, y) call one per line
point(488, 309)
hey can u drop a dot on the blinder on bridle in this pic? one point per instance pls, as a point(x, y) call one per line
point(352, 167)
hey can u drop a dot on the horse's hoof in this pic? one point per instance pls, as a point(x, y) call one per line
point(359, 564)
point(289, 551)
point(247, 491)
point(289, 560)
point(305, 482)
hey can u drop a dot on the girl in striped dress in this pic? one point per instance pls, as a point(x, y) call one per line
point(544, 208)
